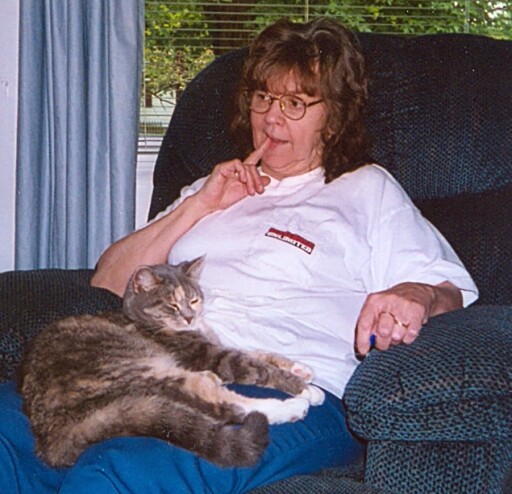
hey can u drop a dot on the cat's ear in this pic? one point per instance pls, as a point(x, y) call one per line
point(193, 268)
point(144, 279)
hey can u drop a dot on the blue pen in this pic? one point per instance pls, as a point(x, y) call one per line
point(373, 338)
point(372, 346)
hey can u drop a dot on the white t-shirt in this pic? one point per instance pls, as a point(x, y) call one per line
point(289, 270)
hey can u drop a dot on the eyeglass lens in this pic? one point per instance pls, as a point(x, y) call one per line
point(291, 106)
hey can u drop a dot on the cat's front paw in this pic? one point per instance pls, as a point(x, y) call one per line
point(302, 371)
point(313, 394)
point(295, 409)
point(280, 411)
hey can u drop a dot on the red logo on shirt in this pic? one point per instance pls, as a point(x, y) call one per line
point(292, 239)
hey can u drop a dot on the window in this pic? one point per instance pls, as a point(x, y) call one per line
point(183, 36)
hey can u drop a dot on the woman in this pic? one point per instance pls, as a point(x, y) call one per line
point(302, 100)
point(307, 249)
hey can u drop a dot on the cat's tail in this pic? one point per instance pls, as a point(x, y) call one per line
point(227, 445)
point(240, 445)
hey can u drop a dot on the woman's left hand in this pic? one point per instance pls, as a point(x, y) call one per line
point(397, 314)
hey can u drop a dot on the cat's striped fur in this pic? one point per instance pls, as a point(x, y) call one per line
point(154, 370)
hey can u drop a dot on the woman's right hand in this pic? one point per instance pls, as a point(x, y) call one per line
point(233, 180)
point(228, 183)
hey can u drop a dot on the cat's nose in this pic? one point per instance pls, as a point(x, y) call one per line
point(188, 319)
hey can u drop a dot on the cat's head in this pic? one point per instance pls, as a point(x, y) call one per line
point(165, 296)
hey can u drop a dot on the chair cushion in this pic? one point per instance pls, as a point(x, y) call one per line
point(198, 136)
point(30, 300)
point(454, 383)
point(325, 483)
point(439, 111)
point(478, 226)
point(439, 467)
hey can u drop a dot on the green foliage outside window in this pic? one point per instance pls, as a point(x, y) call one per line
point(181, 37)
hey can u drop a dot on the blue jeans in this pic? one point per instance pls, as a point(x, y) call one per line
point(135, 465)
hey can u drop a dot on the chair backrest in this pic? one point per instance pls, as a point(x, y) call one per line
point(440, 119)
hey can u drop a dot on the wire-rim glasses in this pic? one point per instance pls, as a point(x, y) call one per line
point(291, 106)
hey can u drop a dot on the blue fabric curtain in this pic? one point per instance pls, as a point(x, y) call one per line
point(79, 89)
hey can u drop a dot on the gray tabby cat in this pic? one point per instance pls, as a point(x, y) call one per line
point(155, 370)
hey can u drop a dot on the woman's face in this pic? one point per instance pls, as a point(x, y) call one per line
point(295, 145)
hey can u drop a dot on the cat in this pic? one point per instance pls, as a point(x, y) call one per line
point(155, 370)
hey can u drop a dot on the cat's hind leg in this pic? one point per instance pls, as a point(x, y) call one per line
point(165, 410)
point(239, 445)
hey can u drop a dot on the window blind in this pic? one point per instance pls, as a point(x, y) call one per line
point(182, 36)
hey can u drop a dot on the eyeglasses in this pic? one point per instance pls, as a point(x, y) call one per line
point(292, 106)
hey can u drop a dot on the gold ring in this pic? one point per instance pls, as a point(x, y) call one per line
point(395, 320)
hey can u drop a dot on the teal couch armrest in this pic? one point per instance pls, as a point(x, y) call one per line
point(30, 300)
point(445, 399)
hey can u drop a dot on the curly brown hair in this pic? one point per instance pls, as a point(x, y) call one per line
point(326, 59)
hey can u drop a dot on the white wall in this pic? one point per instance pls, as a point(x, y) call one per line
point(145, 166)
point(9, 14)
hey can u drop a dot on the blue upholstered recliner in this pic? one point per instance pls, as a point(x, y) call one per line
point(436, 415)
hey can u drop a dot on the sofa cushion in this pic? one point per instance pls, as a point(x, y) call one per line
point(479, 228)
point(454, 383)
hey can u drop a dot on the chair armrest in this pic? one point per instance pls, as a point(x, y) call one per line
point(453, 383)
point(30, 300)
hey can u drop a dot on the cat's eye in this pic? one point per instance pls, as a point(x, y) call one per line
point(174, 307)
point(194, 301)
